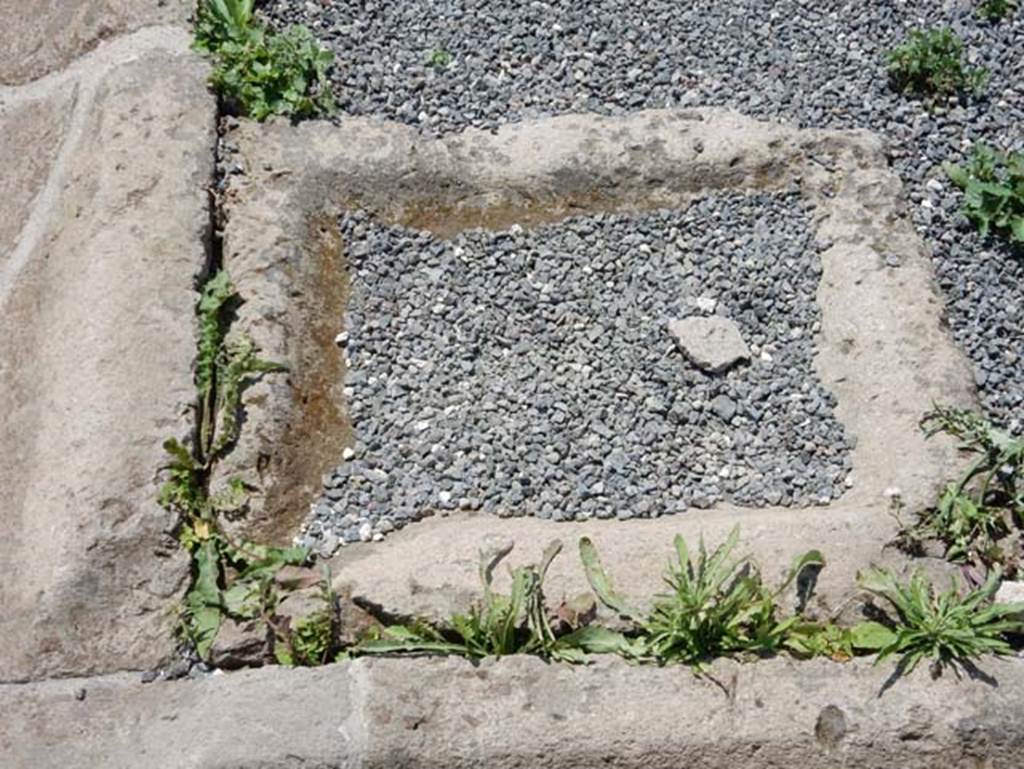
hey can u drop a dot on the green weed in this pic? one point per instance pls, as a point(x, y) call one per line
point(978, 517)
point(231, 579)
point(313, 639)
point(439, 58)
point(260, 72)
point(497, 625)
point(840, 644)
point(218, 21)
point(224, 366)
point(946, 627)
point(238, 366)
point(931, 62)
point(993, 185)
point(996, 10)
point(717, 605)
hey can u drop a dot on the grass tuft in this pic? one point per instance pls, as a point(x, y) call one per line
point(950, 629)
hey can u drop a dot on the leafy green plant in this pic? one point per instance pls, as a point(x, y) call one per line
point(993, 185)
point(224, 366)
point(218, 21)
point(313, 639)
point(497, 625)
point(238, 367)
point(214, 300)
point(813, 639)
point(946, 627)
point(931, 62)
point(261, 72)
point(717, 605)
point(978, 517)
point(439, 58)
point(996, 10)
point(231, 579)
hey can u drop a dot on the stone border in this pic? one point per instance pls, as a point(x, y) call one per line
point(431, 569)
point(107, 234)
point(521, 712)
point(882, 348)
point(57, 32)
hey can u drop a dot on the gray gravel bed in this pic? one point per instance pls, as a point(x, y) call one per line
point(532, 371)
point(813, 62)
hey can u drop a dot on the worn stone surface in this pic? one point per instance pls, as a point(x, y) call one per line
point(96, 290)
point(293, 286)
point(432, 569)
point(882, 348)
point(1010, 592)
point(240, 645)
point(40, 124)
point(713, 343)
point(47, 35)
point(521, 712)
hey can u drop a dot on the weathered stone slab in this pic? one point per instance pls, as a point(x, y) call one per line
point(294, 288)
point(46, 35)
point(521, 712)
point(31, 137)
point(882, 348)
point(431, 569)
point(96, 303)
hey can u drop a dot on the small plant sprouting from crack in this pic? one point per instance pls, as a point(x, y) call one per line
point(258, 71)
point(950, 629)
point(313, 640)
point(232, 579)
point(717, 605)
point(223, 368)
point(978, 518)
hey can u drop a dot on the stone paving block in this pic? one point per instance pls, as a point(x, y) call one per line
point(107, 230)
point(46, 35)
point(522, 712)
point(39, 123)
point(882, 348)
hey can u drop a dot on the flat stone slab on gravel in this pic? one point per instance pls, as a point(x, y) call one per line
point(522, 712)
point(102, 233)
point(881, 347)
point(714, 343)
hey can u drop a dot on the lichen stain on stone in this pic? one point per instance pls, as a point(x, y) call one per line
point(446, 220)
point(319, 430)
point(573, 193)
